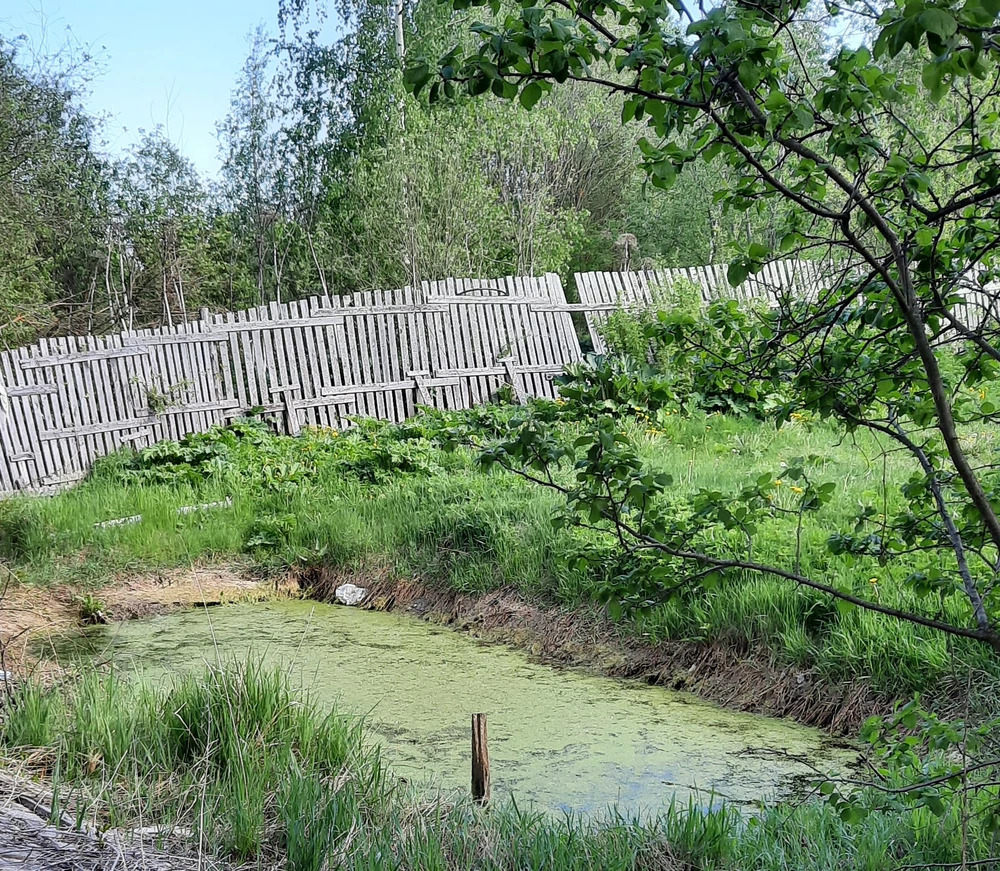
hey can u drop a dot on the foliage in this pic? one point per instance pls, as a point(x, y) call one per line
point(883, 161)
point(91, 609)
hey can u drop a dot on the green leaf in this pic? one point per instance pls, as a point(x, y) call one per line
point(737, 272)
point(844, 607)
point(775, 100)
point(938, 21)
point(531, 94)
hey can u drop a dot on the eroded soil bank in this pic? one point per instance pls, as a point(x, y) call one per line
point(32, 616)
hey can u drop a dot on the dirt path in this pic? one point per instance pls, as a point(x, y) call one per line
point(30, 615)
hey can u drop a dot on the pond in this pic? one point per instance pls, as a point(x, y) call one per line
point(559, 739)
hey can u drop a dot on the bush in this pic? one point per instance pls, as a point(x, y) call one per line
point(673, 356)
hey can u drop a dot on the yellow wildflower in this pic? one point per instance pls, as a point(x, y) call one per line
point(796, 489)
point(777, 483)
point(873, 581)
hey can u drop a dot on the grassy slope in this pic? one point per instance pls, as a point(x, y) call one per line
point(373, 499)
point(257, 775)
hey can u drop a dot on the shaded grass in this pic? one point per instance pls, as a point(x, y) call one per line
point(376, 497)
point(243, 768)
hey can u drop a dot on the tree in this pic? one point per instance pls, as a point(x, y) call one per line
point(887, 163)
point(154, 262)
point(52, 192)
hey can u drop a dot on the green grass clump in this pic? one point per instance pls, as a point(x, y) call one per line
point(234, 754)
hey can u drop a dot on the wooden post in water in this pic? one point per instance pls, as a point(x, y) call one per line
point(480, 761)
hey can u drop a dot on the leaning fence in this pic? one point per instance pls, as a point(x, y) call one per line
point(603, 292)
point(449, 344)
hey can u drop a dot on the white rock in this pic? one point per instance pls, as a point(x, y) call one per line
point(349, 594)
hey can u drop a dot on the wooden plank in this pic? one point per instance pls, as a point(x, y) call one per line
point(587, 288)
point(44, 360)
point(478, 389)
point(258, 366)
point(74, 432)
point(169, 375)
point(530, 345)
point(420, 382)
point(72, 406)
point(31, 418)
point(369, 405)
point(396, 347)
point(214, 336)
point(308, 365)
point(407, 362)
point(33, 390)
point(237, 364)
point(285, 367)
point(369, 307)
point(380, 355)
point(352, 363)
point(127, 372)
point(221, 368)
point(286, 392)
point(335, 342)
point(511, 368)
point(572, 351)
point(10, 441)
point(452, 379)
point(471, 394)
point(200, 407)
point(379, 352)
point(96, 381)
point(200, 373)
point(454, 348)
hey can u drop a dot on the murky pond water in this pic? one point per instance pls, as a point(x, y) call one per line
point(558, 738)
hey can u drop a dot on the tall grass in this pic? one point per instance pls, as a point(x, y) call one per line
point(240, 767)
point(233, 754)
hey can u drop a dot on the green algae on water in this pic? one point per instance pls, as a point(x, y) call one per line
point(560, 739)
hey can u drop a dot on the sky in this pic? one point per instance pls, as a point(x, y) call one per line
point(169, 62)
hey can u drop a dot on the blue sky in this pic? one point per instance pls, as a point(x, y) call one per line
point(171, 63)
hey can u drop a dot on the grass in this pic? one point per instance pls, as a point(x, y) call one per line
point(390, 497)
point(239, 767)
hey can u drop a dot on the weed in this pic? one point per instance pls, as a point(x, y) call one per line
point(90, 609)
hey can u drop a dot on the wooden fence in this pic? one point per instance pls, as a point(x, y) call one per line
point(448, 344)
point(603, 292)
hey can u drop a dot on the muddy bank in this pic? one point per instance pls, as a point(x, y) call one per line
point(31, 615)
point(742, 679)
